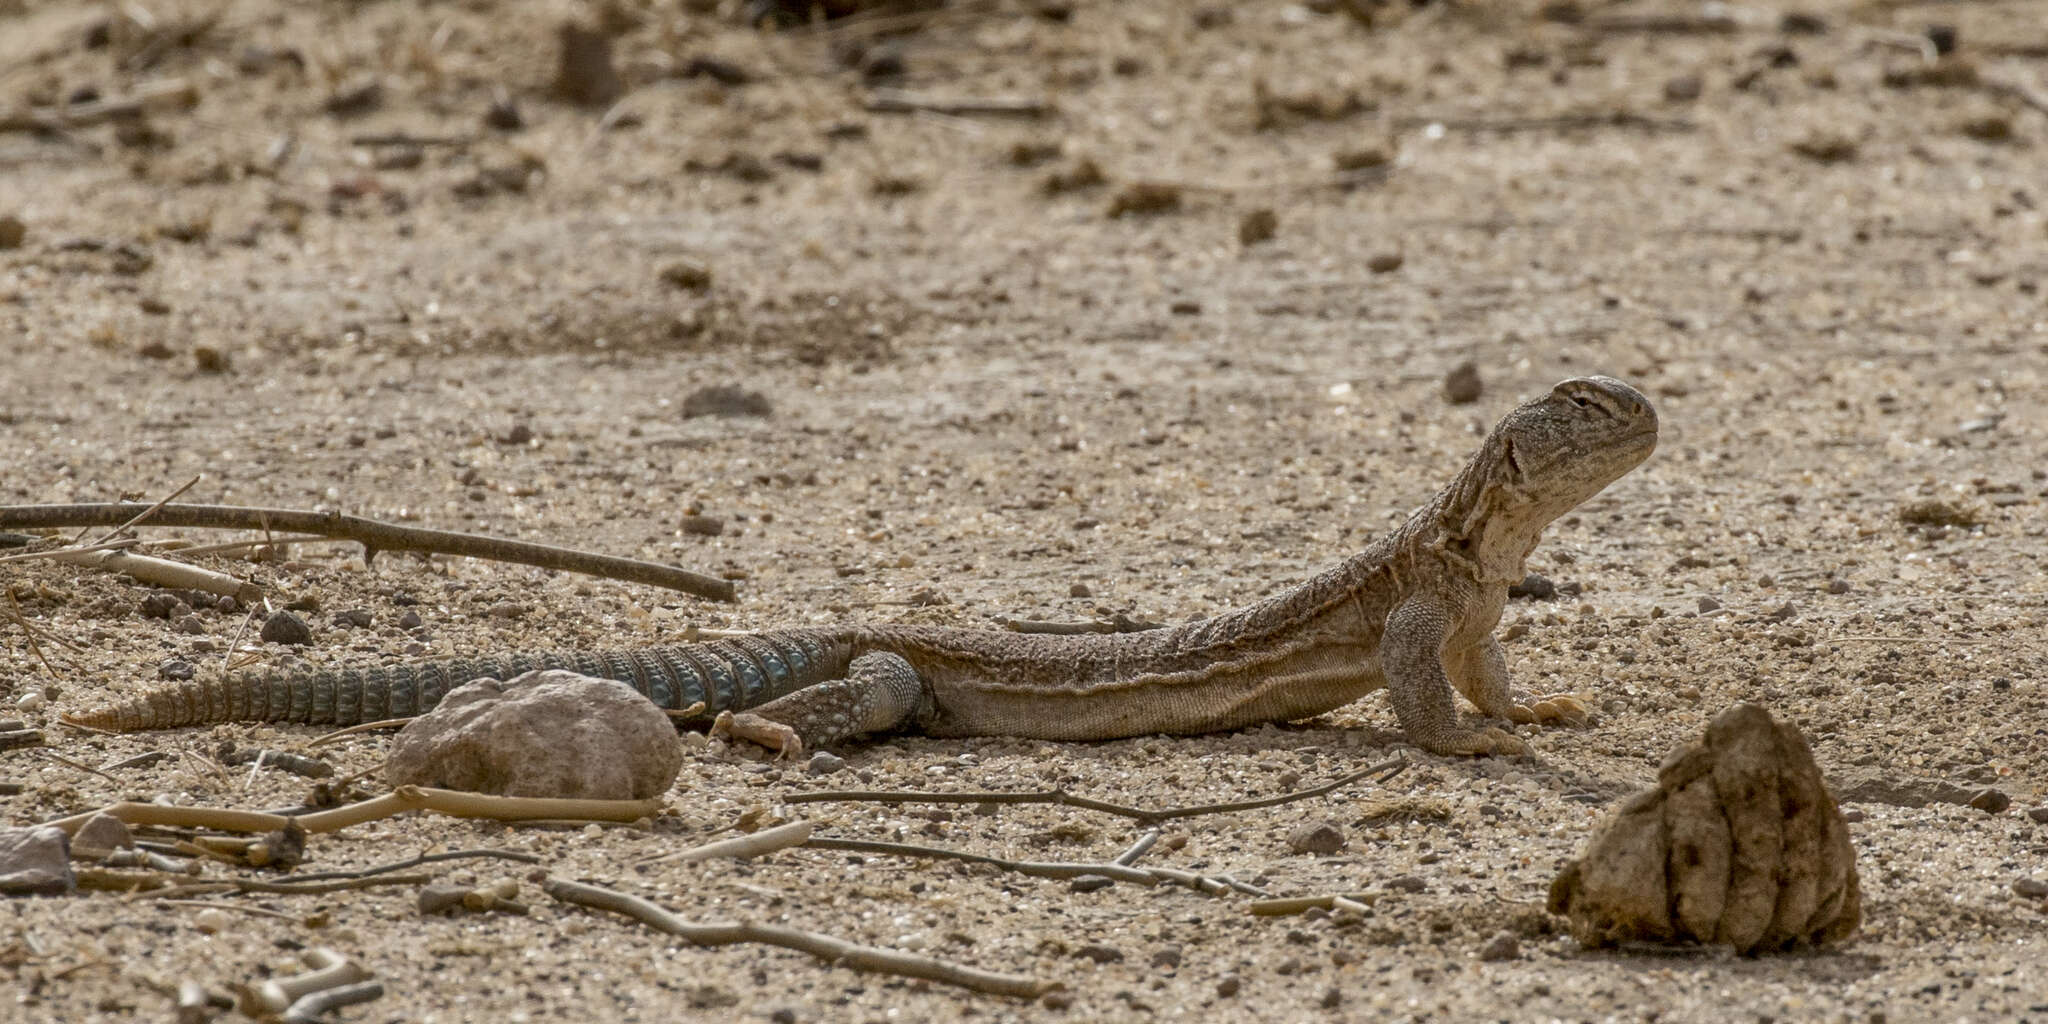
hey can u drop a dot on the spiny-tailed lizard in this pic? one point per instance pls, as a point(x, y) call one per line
point(1412, 614)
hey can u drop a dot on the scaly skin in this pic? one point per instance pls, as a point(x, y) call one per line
point(1413, 613)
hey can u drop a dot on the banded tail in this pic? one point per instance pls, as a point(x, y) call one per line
point(729, 674)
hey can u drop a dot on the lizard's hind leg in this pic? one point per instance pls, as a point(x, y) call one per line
point(880, 692)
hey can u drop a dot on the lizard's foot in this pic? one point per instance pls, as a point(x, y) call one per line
point(782, 739)
point(1551, 709)
point(1484, 742)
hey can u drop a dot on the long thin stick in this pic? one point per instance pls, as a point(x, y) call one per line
point(146, 513)
point(824, 947)
point(1062, 797)
point(1044, 869)
point(375, 536)
point(454, 803)
point(425, 858)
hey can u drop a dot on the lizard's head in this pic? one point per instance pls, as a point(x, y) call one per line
point(1541, 461)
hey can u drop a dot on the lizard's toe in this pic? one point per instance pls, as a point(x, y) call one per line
point(1550, 709)
point(753, 728)
point(1485, 743)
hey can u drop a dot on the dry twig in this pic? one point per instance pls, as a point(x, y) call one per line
point(766, 841)
point(451, 802)
point(425, 858)
point(1213, 884)
point(375, 537)
point(1388, 769)
point(824, 947)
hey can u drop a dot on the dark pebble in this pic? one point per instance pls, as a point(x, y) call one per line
point(2039, 814)
point(1501, 947)
point(1708, 604)
point(159, 606)
point(822, 763)
point(286, 628)
point(2031, 888)
point(726, 400)
point(1462, 385)
point(1090, 883)
point(1167, 959)
point(189, 624)
point(1990, 800)
point(702, 526)
point(1228, 985)
point(1099, 953)
point(1316, 837)
point(1407, 883)
point(1257, 226)
point(1535, 587)
point(1332, 998)
point(174, 668)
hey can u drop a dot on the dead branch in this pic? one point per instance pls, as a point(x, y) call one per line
point(375, 537)
point(1061, 797)
point(180, 887)
point(824, 947)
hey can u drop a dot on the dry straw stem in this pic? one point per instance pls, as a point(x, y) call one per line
point(374, 536)
point(160, 571)
point(425, 858)
point(831, 950)
point(1288, 905)
point(766, 841)
point(169, 92)
point(454, 803)
point(1387, 769)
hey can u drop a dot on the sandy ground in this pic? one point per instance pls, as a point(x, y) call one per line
point(1819, 255)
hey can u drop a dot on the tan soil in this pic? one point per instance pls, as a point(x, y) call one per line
point(984, 394)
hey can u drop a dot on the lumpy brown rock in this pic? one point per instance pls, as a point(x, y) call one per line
point(1740, 844)
point(545, 734)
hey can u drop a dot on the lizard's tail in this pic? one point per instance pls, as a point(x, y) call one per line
point(724, 675)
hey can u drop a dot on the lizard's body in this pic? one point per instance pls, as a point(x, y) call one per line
point(1413, 613)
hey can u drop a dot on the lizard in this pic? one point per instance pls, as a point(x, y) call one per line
point(1412, 613)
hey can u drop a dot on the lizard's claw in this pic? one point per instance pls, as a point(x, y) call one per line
point(776, 736)
point(1551, 709)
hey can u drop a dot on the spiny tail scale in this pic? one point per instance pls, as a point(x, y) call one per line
point(728, 674)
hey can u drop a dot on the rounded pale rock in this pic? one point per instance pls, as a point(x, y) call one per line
point(543, 734)
point(1740, 844)
point(35, 861)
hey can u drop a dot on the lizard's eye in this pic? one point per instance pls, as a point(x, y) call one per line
point(1578, 400)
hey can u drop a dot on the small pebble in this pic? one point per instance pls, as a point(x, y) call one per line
point(12, 232)
point(1332, 998)
point(1407, 883)
point(175, 669)
point(1167, 959)
point(2031, 888)
point(1316, 837)
point(1228, 985)
point(1535, 587)
point(1683, 89)
point(286, 628)
point(702, 526)
point(159, 606)
point(2039, 814)
point(1708, 604)
point(1384, 262)
point(507, 610)
point(409, 619)
point(1501, 947)
point(1462, 385)
point(823, 763)
point(1257, 226)
point(1099, 953)
point(211, 921)
point(31, 701)
point(1090, 883)
point(1990, 800)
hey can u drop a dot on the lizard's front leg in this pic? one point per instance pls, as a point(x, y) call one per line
point(1412, 654)
point(880, 692)
point(1480, 672)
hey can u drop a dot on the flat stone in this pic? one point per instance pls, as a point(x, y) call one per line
point(1316, 837)
point(103, 831)
point(542, 734)
point(35, 861)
